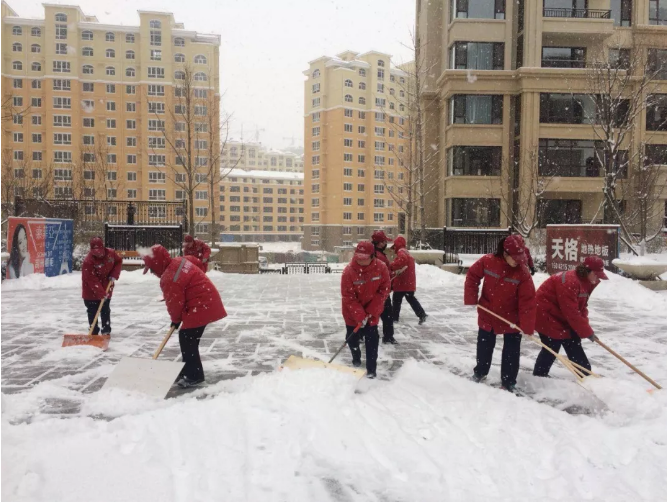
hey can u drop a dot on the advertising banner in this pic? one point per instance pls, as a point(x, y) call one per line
point(569, 244)
point(38, 245)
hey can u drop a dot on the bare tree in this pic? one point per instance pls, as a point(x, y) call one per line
point(621, 92)
point(25, 178)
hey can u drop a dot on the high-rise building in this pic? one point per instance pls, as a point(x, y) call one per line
point(87, 102)
point(354, 125)
point(510, 104)
point(261, 194)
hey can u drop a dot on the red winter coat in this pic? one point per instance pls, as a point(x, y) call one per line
point(507, 291)
point(96, 272)
point(382, 256)
point(199, 249)
point(190, 296)
point(406, 281)
point(562, 306)
point(197, 263)
point(364, 290)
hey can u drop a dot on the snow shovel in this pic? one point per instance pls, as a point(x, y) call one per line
point(97, 340)
point(149, 376)
point(597, 340)
point(293, 362)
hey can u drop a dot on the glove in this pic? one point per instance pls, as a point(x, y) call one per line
point(175, 325)
point(532, 270)
point(594, 337)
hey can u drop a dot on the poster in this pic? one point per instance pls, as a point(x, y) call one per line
point(39, 246)
point(569, 244)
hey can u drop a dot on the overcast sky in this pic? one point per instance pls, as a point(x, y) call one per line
point(267, 44)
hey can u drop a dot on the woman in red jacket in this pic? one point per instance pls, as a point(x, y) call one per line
point(562, 313)
point(364, 286)
point(404, 283)
point(508, 290)
point(197, 248)
point(100, 267)
point(192, 301)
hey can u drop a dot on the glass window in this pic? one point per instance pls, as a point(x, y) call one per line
point(657, 63)
point(565, 108)
point(574, 158)
point(478, 9)
point(474, 161)
point(475, 212)
point(657, 12)
point(619, 58)
point(129, 38)
point(476, 109)
point(621, 12)
point(656, 112)
point(110, 37)
point(87, 35)
point(563, 57)
point(478, 56)
point(559, 212)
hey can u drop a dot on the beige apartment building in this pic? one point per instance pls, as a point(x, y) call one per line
point(85, 103)
point(354, 125)
point(507, 101)
point(255, 156)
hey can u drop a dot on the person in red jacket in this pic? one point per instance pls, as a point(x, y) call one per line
point(192, 301)
point(529, 258)
point(508, 291)
point(562, 313)
point(364, 286)
point(404, 283)
point(199, 249)
point(379, 240)
point(101, 266)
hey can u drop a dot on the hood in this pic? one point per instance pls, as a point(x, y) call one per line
point(157, 260)
point(97, 247)
point(399, 243)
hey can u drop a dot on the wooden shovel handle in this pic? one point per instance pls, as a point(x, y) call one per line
point(597, 340)
point(164, 342)
point(92, 326)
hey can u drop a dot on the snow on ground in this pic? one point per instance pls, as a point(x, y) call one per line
point(258, 434)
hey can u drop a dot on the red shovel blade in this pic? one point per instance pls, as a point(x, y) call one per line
point(96, 340)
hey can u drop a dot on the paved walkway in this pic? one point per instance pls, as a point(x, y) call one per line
point(270, 317)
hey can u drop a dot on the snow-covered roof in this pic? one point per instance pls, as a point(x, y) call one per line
point(265, 174)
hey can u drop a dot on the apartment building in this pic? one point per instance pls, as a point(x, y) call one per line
point(261, 205)
point(354, 125)
point(255, 156)
point(507, 102)
point(89, 102)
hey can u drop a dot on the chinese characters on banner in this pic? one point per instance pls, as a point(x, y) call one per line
point(568, 245)
point(39, 246)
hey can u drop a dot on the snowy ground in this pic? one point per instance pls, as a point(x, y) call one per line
point(421, 433)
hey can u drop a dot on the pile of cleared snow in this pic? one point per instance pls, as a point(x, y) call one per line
point(39, 281)
point(427, 435)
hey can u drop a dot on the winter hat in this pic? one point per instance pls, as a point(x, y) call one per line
point(364, 250)
point(399, 243)
point(156, 259)
point(379, 236)
point(596, 265)
point(516, 248)
point(97, 247)
point(188, 238)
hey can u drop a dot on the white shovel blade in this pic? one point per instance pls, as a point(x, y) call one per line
point(149, 376)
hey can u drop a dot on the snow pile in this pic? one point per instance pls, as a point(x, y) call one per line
point(629, 294)
point(39, 281)
point(305, 435)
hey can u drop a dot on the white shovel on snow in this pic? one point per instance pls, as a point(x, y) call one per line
point(149, 376)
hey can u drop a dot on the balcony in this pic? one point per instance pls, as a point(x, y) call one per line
point(584, 22)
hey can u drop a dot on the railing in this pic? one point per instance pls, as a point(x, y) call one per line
point(126, 238)
point(562, 63)
point(471, 241)
point(576, 13)
point(305, 268)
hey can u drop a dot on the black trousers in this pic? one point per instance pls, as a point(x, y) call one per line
point(92, 305)
point(414, 303)
point(372, 338)
point(509, 368)
point(387, 319)
point(573, 349)
point(189, 341)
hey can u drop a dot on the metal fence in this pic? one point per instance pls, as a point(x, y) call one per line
point(305, 268)
point(471, 241)
point(576, 13)
point(129, 238)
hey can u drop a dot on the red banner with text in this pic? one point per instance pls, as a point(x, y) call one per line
point(569, 244)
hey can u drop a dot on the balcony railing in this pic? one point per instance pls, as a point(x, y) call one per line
point(577, 13)
point(562, 63)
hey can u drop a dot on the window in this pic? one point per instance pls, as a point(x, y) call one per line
point(62, 192)
point(62, 121)
point(154, 23)
point(474, 161)
point(86, 35)
point(200, 76)
point(621, 12)
point(156, 38)
point(36, 138)
point(110, 37)
point(316, 102)
point(156, 160)
point(157, 195)
point(155, 90)
point(111, 141)
point(316, 116)
point(347, 157)
point(17, 65)
point(111, 70)
point(155, 73)
point(87, 69)
point(179, 75)
point(656, 112)
point(110, 53)
point(36, 84)
point(156, 177)
point(129, 39)
point(156, 55)
point(348, 128)
point(559, 212)
point(111, 123)
point(156, 107)
point(36, 67)
point(18, 155)
point(620, 58)
point(61, 67)
point(131, 124)
point(573, 158)
point(475, 212)
point(87, 51)
point(202, 195)
point(17, 30)
point(62, 157)
point(478, 56)
point(200, 59)
point(131, 193)
point(478, 9)
point(131, 141)
point(657, 12)
point(657, 63)
point(61, 49)
point(61, 32)
point(111, 106)
point(88, 140)
point(62, 138)
point(35, 48)
point(88, 122)
point(179, 42)
point(347, 172)
point(476, 109)
point(129, 72)
point(380, 88)
point(18, 83)
point(563, 57)
point(111, 158)
point(60, 17)
point(655, 155)
point(62, 174)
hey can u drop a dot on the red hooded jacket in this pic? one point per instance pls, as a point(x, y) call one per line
point(199, 249)
point(507, 291)
point(96, 272)
point(406, 281)
point(364, 290)
point(190, 296)
point(562, 306)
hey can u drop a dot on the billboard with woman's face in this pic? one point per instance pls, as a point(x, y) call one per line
point(39, 246)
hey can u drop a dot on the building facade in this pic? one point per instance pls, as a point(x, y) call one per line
point(354, 134)
point(85, 105)
point(507, 103)
point(254, 156)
